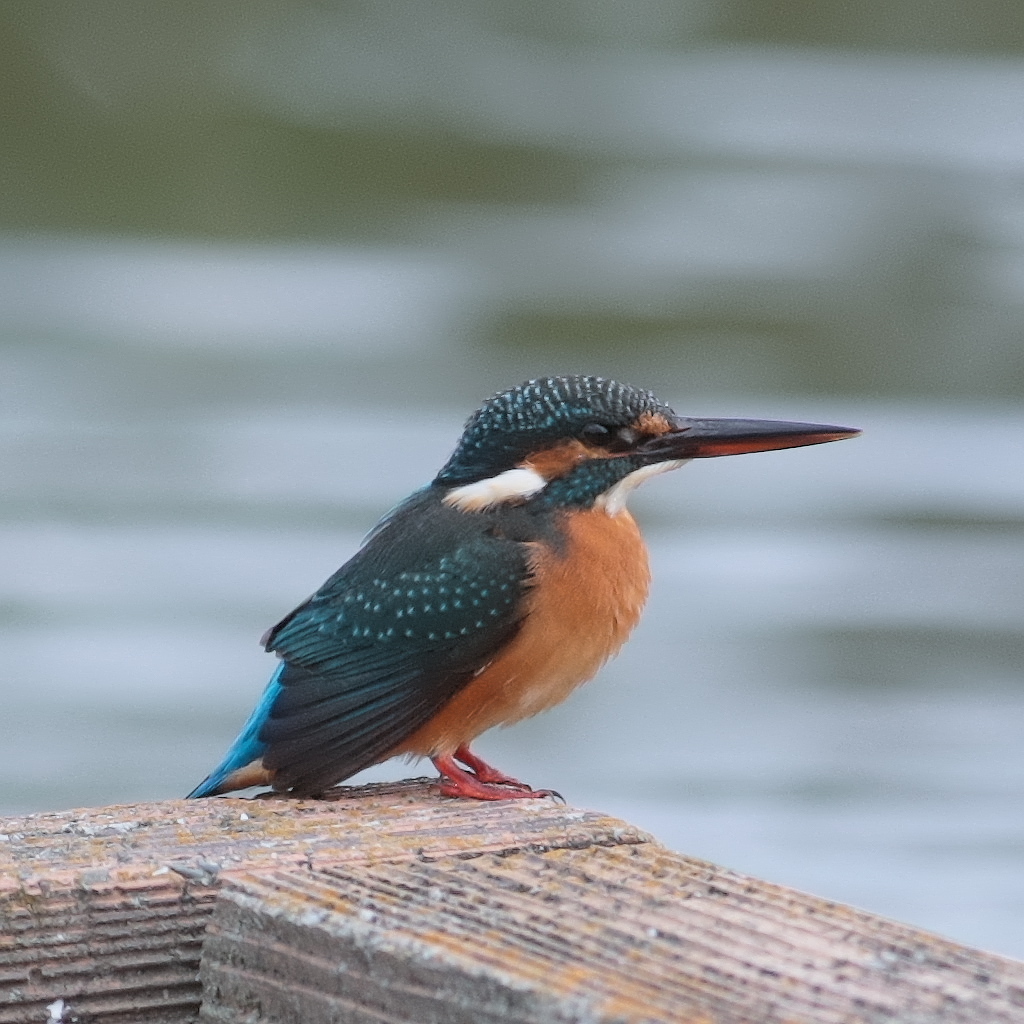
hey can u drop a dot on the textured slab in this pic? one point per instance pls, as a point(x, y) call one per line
point(623, 934)
point(106, 908)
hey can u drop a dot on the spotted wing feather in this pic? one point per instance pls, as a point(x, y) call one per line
point(388, 641)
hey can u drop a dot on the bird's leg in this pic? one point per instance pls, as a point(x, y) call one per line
point(485, 772)
point(457, 781)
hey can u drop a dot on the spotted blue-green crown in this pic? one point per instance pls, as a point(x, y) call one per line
point(515, 423)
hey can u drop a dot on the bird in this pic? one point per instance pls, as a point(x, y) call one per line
point(484, 598)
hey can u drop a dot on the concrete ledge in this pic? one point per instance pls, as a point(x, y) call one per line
point(390, 903)
point(106, 907)
point(606, 934)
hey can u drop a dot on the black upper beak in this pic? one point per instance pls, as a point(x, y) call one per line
point(705, 439)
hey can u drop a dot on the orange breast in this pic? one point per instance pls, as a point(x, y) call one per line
point(582, 607)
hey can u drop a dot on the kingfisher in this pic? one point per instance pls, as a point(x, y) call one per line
point(484, 598)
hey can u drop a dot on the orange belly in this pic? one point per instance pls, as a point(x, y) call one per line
point(582, 607)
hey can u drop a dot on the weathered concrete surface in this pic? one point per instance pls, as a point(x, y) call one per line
point(606, 934)
point(393, 904)
point(106, 907)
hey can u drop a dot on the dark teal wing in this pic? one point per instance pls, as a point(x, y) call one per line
point(388, 641)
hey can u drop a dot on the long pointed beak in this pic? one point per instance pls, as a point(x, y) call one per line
point(705, 439)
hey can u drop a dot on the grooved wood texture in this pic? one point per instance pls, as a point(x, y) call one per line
point(106, 907)
point(114, 949)
point(606, 934)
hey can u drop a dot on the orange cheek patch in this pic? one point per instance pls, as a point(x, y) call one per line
point(653, 423)
point(554, 462)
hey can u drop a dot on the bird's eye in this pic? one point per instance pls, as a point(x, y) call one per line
point(595, 433)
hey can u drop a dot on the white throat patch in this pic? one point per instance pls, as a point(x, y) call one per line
point(512, 485)
point(613, 501)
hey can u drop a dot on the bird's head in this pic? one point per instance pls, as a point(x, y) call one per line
point(580, 441)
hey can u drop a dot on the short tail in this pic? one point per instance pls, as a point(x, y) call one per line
point(247, 747)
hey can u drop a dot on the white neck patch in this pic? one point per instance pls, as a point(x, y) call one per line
point(512, 485)
point(613, 501)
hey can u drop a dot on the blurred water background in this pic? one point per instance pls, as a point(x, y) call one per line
point(259, 261)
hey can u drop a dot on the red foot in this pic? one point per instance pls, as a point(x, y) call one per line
point(484, 772)
point(457, 781)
